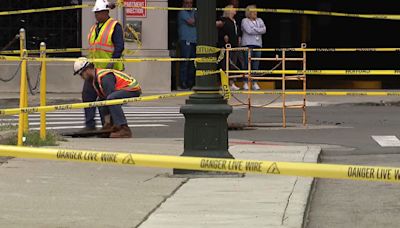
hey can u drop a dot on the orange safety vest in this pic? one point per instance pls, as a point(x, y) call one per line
point(123, 81)
point(102, 47)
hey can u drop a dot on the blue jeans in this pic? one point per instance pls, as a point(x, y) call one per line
point(187, 70)
point(89, 95)
point(116, 112)
point(254, 64)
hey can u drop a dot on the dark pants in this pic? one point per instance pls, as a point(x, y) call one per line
point(236, 62)
point(116, 112)
point(254, 64)
point(89, 95)
point(187, 71)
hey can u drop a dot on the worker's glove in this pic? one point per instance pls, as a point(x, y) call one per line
point(110, 66)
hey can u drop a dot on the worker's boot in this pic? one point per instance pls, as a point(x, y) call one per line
point(107, 128)
point(107, 125)
point(122, 131)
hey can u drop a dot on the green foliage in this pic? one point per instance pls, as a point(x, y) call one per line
point(32, 138)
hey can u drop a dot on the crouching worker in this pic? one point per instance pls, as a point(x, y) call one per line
point(110, 84)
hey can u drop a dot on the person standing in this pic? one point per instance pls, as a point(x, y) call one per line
point(253, 28)
point(228, 34)
point(187, 34)
point(106, 41)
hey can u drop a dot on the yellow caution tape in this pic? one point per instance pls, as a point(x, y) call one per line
point(284, 11)
point(320, 72)
point(206, 72)
point(330, 49)
point(287, 11)
point(57, 50)
point(351, 172)
point(332, 93)
point(135, 39)
point(52, 108)
point(132, 60)
point(325, 13)
point(226, 91)
point(203, 49)
point(63, 50)
point(59, 8)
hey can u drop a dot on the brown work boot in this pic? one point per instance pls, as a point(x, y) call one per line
point(107, 127)
point(122, 132)
point(106, 130)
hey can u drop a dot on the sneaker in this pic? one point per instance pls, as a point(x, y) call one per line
point(234, 87)
point(122, 132)
point(256, 86)
point(245, 86)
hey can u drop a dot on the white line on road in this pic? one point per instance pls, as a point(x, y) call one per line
point(99, 126)
point(387, 140)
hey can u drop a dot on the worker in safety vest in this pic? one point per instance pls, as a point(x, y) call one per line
point(106, 41)
point(110, 84)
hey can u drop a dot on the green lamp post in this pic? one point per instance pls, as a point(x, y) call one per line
point(206, 112)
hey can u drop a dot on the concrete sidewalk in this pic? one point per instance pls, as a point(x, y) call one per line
point(39, 193)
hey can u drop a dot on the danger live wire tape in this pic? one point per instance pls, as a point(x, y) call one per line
point(41, 10)
point(320, 72)
point(64, 50)
point(352, 172)
point(130, 60)
point(203, 49)
point(200, 49)
point(261, 10)
point(52, 108)
point(332, 93)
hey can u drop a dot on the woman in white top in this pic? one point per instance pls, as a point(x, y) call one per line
point(253, 28)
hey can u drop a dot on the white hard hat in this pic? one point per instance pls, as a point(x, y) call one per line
point(101, 5)
point(80, 65)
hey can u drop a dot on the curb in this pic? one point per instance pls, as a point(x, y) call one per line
point(4, 135)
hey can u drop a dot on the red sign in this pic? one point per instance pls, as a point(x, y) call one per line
point(135, 12)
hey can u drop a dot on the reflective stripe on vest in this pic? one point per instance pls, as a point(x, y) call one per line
point(123, 81)
point(102, 47)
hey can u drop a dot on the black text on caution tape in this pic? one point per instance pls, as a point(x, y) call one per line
point(373, 173)
point(128, 160)
point(87, 156)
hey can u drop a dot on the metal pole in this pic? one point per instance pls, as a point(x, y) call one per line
point(304, 45)
point(249, 83)
point(23, 93)
point(206, 114)
point(43, 79)
point(283, 89)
